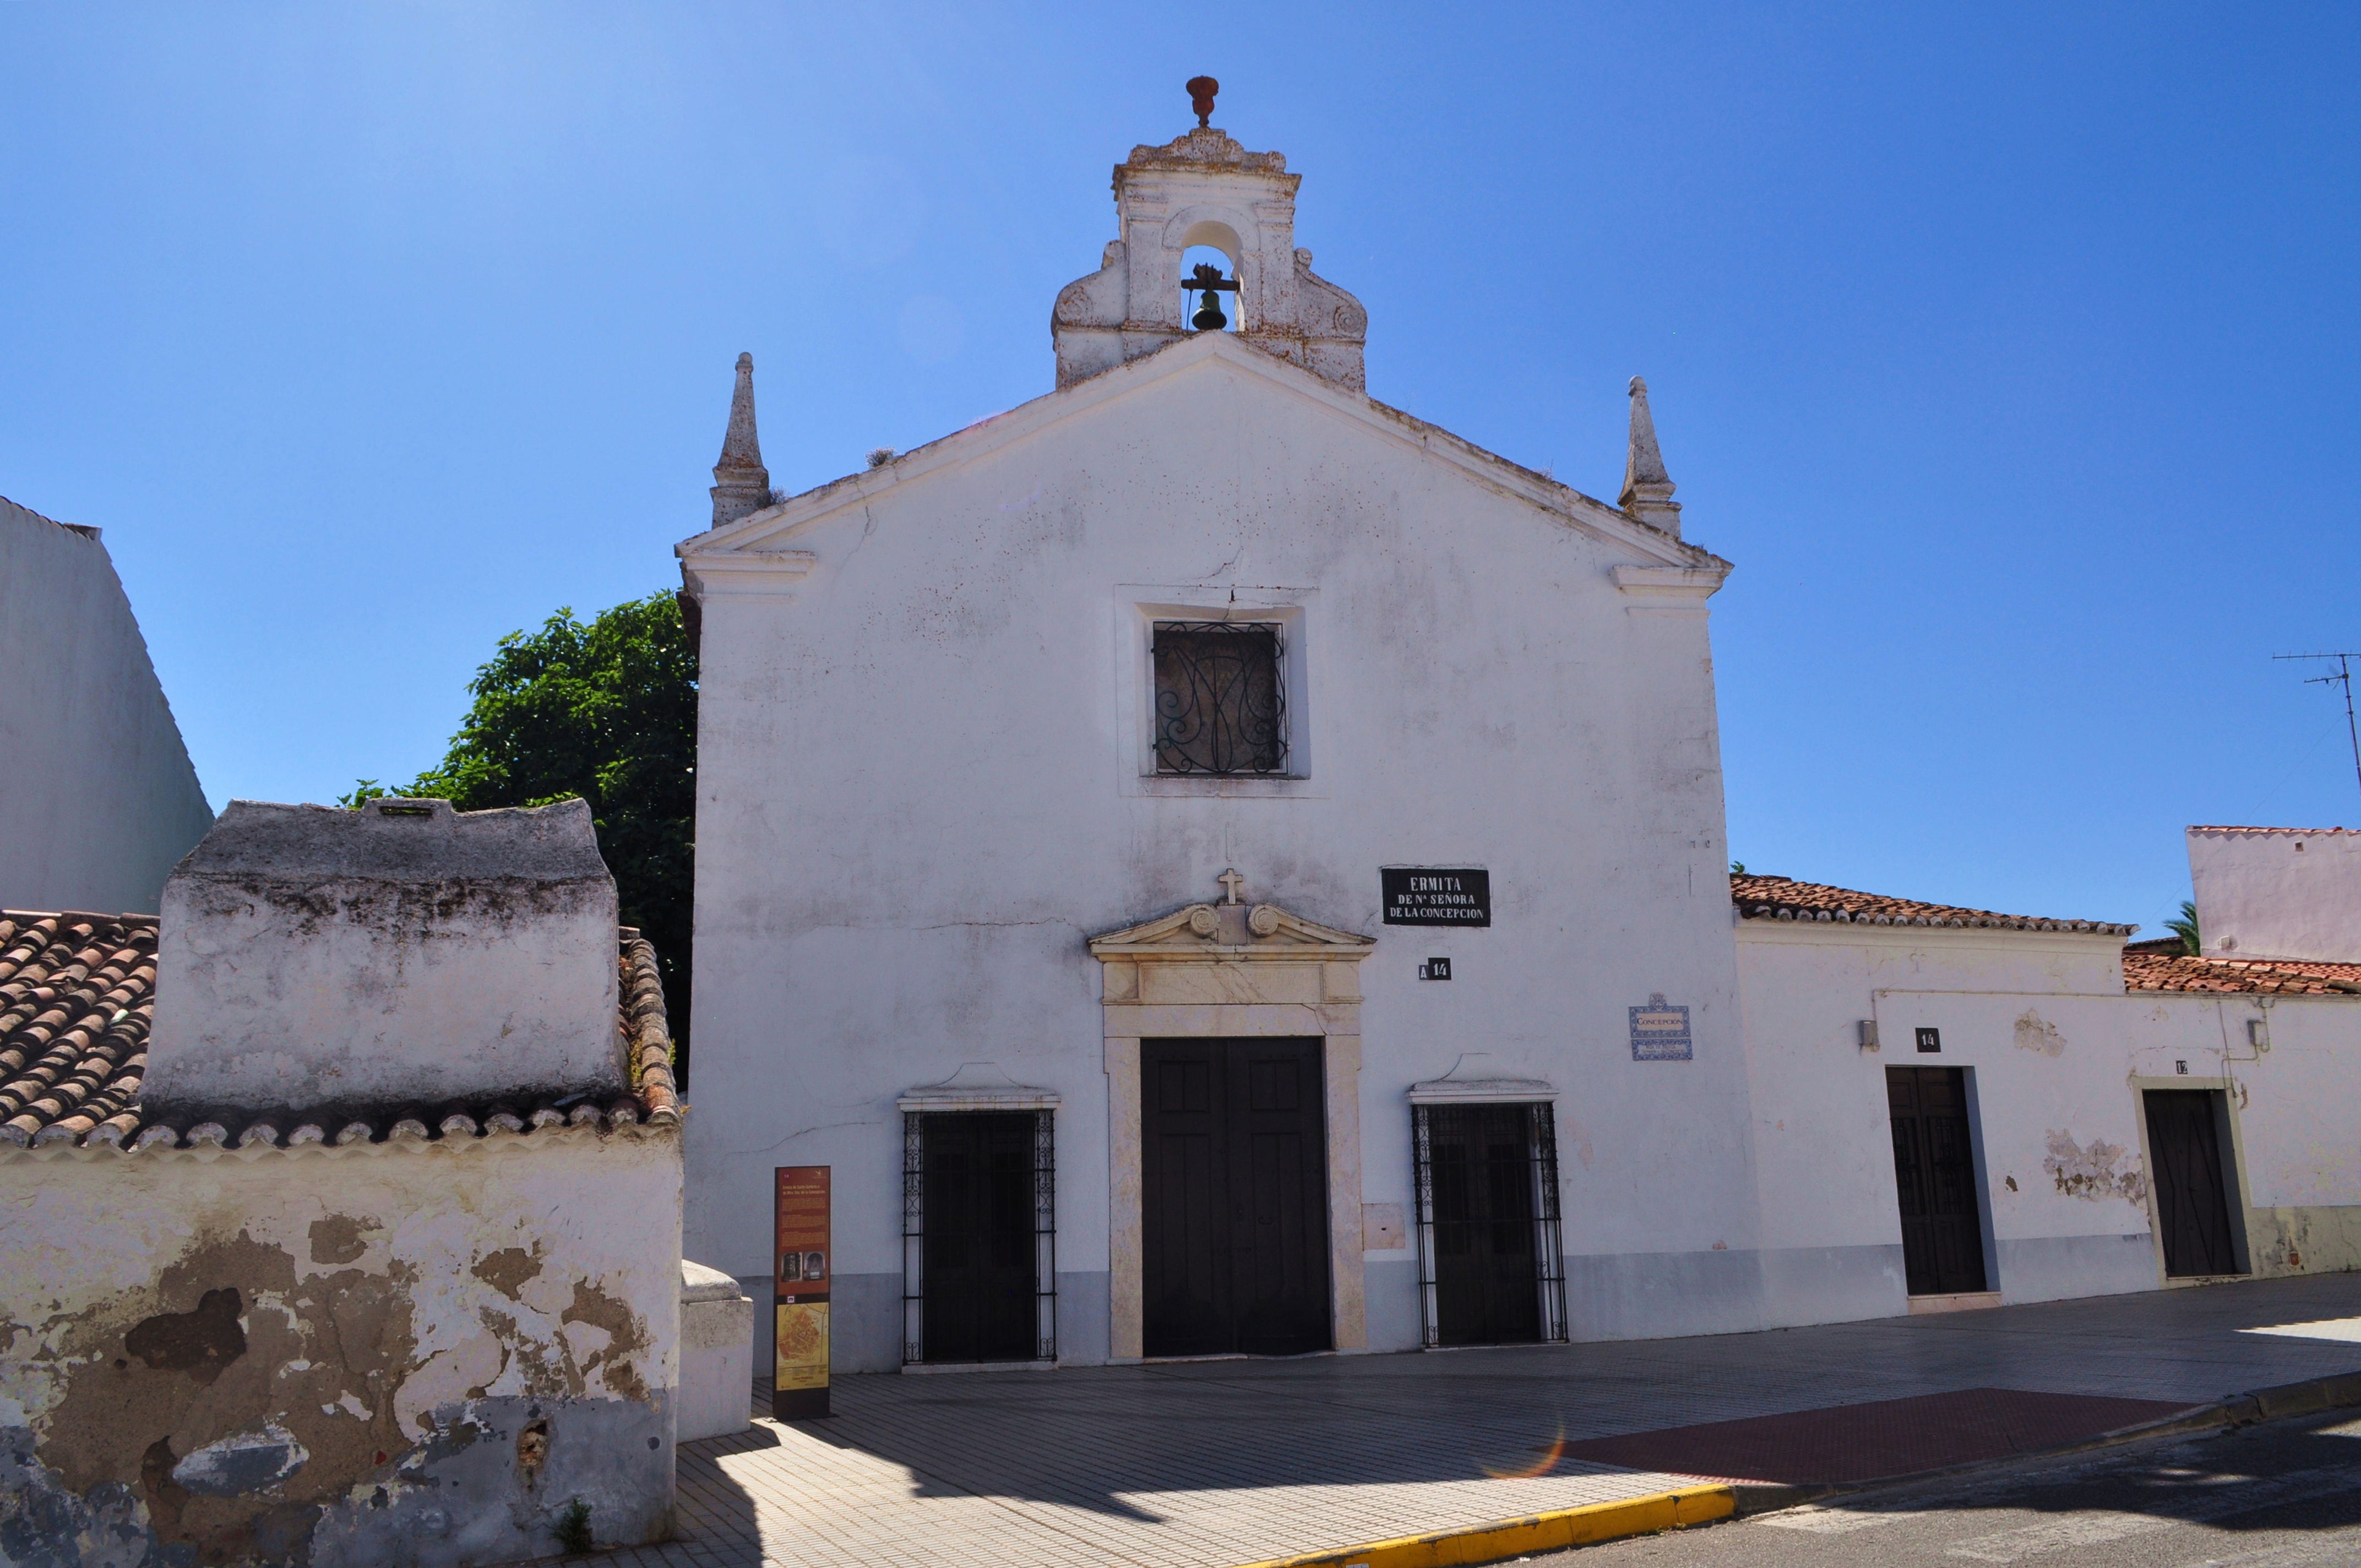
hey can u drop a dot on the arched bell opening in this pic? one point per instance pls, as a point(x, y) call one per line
point(1210, 250)
point(1209, 290)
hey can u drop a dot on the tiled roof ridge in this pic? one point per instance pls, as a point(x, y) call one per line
point(2234, 827)
point(1763, 897)
point(647, 1032)
point(2191, 971)
point(77, 996)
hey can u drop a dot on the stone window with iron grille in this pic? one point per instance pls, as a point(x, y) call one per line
point(1221, 698)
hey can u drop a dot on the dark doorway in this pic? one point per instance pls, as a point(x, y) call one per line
point(978, 1244)
point(1935, 1171)
point(1234, 1197)
point(1488, 1185)
point(2184, 1140)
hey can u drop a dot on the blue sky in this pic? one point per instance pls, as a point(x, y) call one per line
point(2010, 351)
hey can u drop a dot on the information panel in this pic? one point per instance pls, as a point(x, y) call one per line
point(1437, 895)
point(800, 1273)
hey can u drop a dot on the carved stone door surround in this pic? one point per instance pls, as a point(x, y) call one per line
point(1225, 970)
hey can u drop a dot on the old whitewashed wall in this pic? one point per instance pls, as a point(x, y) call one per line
point(401, 954)
point(2057, 1054)
point(2278, 893)
point(100, 798)
point(921, 759)
point(387, 1352)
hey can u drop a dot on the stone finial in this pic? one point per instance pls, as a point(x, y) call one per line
point(1647, 488)
point(1200, 98)
point(742, 486)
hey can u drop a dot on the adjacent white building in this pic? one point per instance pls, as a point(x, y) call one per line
point(99, 799)
point(1216, 864)
point(2278, 893)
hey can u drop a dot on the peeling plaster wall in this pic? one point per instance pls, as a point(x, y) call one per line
point(100, 798)
point(327, 1356)
point(2056, 1074)
point(1473, 689)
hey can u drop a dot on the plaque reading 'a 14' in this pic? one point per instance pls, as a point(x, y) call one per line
point(1437, 896)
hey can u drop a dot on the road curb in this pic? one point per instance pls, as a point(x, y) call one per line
point(2308, 1397)
point(1502, 1538)
point(1551, 1532)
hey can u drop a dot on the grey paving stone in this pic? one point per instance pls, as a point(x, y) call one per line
point(1205, 1464)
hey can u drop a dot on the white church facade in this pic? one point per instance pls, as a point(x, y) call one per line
point(1216, 865)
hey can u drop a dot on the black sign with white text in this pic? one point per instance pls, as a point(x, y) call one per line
point(1430, 895)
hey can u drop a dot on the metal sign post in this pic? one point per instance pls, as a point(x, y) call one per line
point(801, 1269)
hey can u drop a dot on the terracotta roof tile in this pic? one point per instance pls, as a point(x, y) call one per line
point(2299, 832)
point(2186, 971)
point(1783, 898)
point(78, 993)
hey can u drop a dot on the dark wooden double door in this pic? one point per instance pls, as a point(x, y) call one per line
point(1234, 1197)
point(2192, 1205)
point(1935, 1173)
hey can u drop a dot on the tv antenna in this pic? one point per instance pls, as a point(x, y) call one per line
point(2343, 677)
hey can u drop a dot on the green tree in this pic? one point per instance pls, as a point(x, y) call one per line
point(605, 709)
point(2186, 927)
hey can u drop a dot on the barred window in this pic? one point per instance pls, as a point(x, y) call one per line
point(1221, 707)
point(1490, 1267)
point(979, 1236)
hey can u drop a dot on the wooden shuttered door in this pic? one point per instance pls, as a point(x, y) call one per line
point(2192, 1209)
point(1934, 1176)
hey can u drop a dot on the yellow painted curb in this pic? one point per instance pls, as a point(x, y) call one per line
point(1535, 1532)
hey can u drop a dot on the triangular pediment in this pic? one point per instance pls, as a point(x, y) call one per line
point(1229, 931)
point(769, 537)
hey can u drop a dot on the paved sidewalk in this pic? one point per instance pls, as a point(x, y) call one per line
point(1205, 1464)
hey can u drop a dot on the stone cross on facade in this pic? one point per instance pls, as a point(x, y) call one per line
point(1231, 882)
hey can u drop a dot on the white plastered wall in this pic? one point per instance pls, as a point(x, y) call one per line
point(2278, 893)
point(920, 790)
point(99, 799)
point(2055, 1058)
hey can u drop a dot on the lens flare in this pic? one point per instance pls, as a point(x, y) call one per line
point(1543, 1462)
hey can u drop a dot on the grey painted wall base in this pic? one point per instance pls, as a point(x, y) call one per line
point(1663, 1295)
point(1609, 1296)
point(1083, 1319)
point(2057, 1268)
point(1395, 1319)
point(1832, 1284)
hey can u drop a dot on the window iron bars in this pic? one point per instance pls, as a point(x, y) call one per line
point(1221, 700)
point(1549, 1253)
point(913, 1232)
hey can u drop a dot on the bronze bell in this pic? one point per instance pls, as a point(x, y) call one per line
point(1208, 281)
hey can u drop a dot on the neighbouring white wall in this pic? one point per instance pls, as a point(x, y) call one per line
point(2278, 893)
point(402, 953)
point(717, 1354)
point(338, 1355)
point(920, 790)
point(1832, 1228)
point(99, 799)
point(2056, 1066)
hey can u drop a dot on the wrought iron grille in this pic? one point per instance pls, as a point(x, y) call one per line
point(1041, 1188)
point(1473, 1223)
point(1221, 703)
